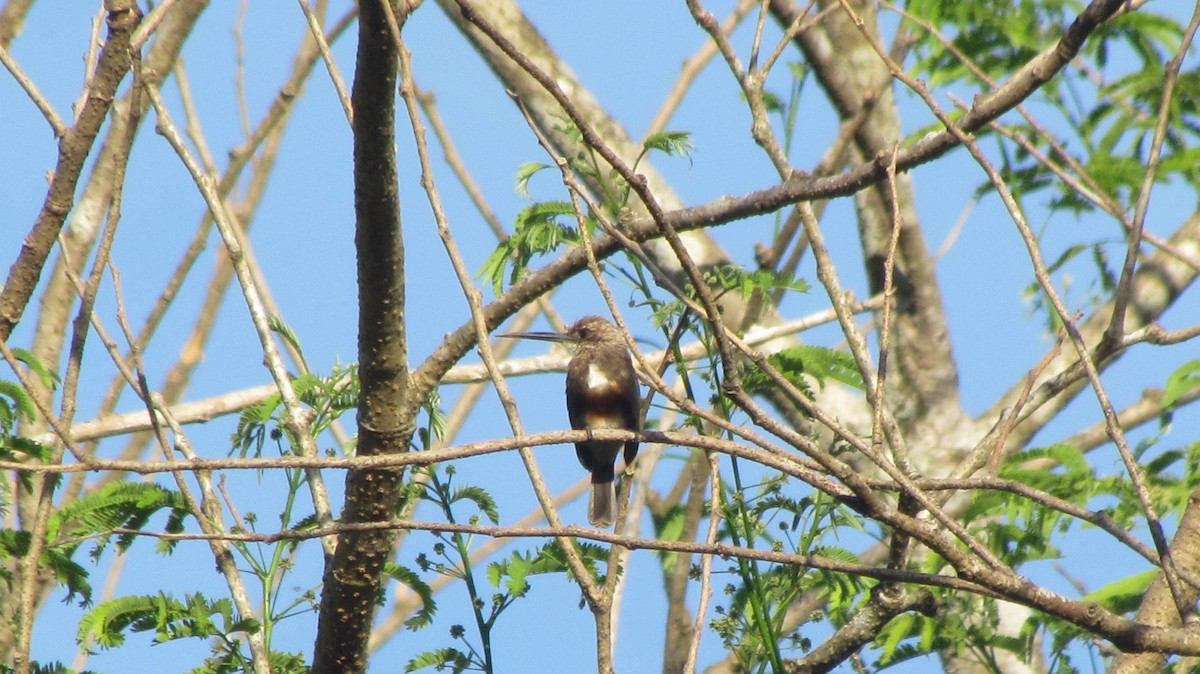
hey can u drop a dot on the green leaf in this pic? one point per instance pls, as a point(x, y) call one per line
point(730, 277)
point(436, 415)
point(166, 616)
point(481, 499)
point(671, 143)
point(126, 505)
point(825, 363)
point(514, 572)
point(1123, 595)
point(1067, 456)
point(423, 617)
point(524, 173)
point(669, 528)
point(47, 378)
point(1182, 381)
point(10, 445)
point(25, 407)
point(897, 630)
point(516, 569)
point(494, 266)
point(441, 658)
point(281, 328)
point(252, 427)
point(537, 232)
point(773, 103)
point(818, 362)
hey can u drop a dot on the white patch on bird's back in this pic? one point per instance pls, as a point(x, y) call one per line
point(596, 378)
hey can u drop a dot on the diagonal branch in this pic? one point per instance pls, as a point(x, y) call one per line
point(73, 148)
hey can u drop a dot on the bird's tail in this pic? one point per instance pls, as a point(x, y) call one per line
point(602, 504)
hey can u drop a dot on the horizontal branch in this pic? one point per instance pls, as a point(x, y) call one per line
point(407, 459)
point(817, 562)
point(1127, 634)
point(793, 466)
point(200, 411)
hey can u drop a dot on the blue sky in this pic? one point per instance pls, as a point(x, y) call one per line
point(628, 55)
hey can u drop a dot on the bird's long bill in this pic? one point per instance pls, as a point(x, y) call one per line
point(543, 336)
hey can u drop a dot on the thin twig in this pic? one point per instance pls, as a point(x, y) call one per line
point(34, 94)
point(692, 68)
point(714, 529)
point(335, 75)
point(296, 419)
point(1116, 328)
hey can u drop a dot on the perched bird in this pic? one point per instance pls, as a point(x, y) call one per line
point(602, 393)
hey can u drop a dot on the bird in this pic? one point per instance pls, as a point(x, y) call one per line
point(602, 393)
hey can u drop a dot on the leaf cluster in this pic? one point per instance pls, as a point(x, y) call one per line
point(328, 397)
point(804, 363)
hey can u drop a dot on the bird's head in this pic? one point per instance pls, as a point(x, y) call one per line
point(587, 330)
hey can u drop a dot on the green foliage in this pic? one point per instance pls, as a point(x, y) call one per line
point(444, 494)
point(328, 397)
point(19, 448)
point(593, 555)
point(1119, 127)
point(1109, 105)
point(795, 362)
point(195, 617)
point(670, 143)
point(1173, 474)
point(908, 637)
point(788, 110)
point(1184, 380)
point(537, 232)
point(1125, 594)
point(973, 636)
point(732, 278)
point(752, 621)
point(118, 505)
point(451, 558)
point(541, 228)
point(46, 377)
point(94, 516)
point(167, 617)
point(13, 545)
point(423, 617)
point(281, 328)
point(443, 658)
point(669, 527)
point(1102, 282)
point(17, 405)
point(1020, 529)
point(998, 35)
point(47, 668)
point(525, 173)
point(512, 574)
point(435, 426)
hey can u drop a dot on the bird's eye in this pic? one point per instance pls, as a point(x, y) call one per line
point(584, 332)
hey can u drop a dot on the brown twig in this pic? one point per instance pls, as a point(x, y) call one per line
point(296, 419)
point(73, 148)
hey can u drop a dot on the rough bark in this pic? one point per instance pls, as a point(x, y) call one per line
point(353, 580)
